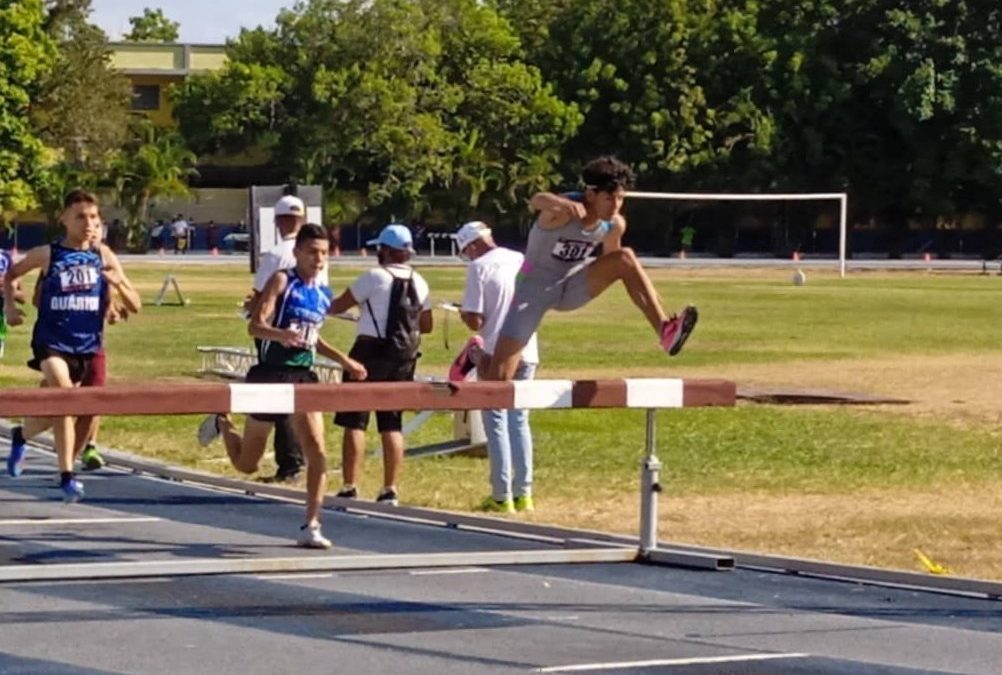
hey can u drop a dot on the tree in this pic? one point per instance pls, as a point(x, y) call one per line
point(155, 164)
point(900, 103)
point(82, 110)
point(665, 85)
point(152, 26)
point(26, 53)
point(396, 100)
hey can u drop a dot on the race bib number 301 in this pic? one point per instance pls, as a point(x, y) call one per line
point(79, 278)
point(570, 250)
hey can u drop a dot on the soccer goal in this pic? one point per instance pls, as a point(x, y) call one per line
point(841, 197)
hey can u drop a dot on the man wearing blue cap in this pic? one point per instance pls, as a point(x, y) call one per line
point(394, 311)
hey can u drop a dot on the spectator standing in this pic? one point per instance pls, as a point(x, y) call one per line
point(686, 236)
point(114, 235)
point(394, 311)
point(166, 234)
point(334, 239)
point(179, 230)
point(490, 286)
point(212, 236)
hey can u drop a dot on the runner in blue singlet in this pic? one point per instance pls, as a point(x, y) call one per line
point(77, 278)
point(287, 320)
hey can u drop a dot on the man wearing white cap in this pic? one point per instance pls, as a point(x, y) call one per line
point(290, 214)
point(490, 285)
point(394, 311)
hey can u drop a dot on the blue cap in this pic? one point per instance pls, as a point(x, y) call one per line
point(394, 236)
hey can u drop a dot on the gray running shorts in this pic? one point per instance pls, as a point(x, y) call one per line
point(534, 297)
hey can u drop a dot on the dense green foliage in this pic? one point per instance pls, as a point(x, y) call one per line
point(399, 101)
point(82, 109)
point(152, 26)
point(468, 107)
point(447, 109)
point(25, 59)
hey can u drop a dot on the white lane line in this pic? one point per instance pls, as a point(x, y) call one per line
point(459, 570)
point(304, 575)
point(695, 661)
point(73, 521)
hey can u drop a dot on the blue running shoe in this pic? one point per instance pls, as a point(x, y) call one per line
point(73, 490)
point(18, 447)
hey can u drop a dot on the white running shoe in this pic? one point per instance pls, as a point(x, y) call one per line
point(208, 430)
point(311, 537)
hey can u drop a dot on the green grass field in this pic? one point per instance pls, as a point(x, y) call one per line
point(864, 485)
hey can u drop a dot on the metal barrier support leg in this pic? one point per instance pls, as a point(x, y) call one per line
point(650, 486)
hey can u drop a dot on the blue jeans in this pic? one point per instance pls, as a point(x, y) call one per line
point(509, 446)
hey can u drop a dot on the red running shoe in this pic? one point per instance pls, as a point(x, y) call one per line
point(467, 359)
point(676, 330)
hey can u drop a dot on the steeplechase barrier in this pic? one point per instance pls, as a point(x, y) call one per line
point(232, 363)
point(190, 399)
point(151, 399)
point(564, 545)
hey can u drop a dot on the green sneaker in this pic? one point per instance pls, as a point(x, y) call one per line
point(524, 503)
point(492, 505)
point(91, 459)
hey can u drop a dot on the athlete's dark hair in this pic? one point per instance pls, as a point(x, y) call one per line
point(310, 231)
point(607, 174)
point(79, 197)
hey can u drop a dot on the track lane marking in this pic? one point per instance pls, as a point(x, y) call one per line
point(693, 661)
point(76, 521)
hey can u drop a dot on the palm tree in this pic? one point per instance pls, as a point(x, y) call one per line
point(155, 164)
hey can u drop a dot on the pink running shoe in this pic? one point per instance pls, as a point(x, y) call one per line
point(467, 359)
point(676, 330)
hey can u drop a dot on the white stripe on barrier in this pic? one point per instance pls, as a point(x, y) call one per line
point(263, 398)
point(543, 393)
point(654, 393)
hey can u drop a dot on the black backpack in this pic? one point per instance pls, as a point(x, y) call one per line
point(402, 337)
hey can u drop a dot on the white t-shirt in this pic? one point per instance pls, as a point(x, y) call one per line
point(490, 286)
point(374, 286)
point(280, 257)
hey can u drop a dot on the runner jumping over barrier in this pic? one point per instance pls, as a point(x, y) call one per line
point(557, 274)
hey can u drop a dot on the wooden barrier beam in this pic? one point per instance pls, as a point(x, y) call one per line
point(179, 399)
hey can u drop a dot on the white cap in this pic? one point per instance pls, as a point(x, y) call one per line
point(290, 206)
point(470, 232)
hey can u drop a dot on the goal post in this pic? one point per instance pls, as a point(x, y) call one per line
point(841, 197)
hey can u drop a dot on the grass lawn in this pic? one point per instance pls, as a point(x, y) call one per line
point(862, 485)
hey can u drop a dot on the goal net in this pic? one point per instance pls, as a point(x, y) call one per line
point(769, 223)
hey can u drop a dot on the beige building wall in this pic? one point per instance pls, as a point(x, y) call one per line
point(226, 206)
